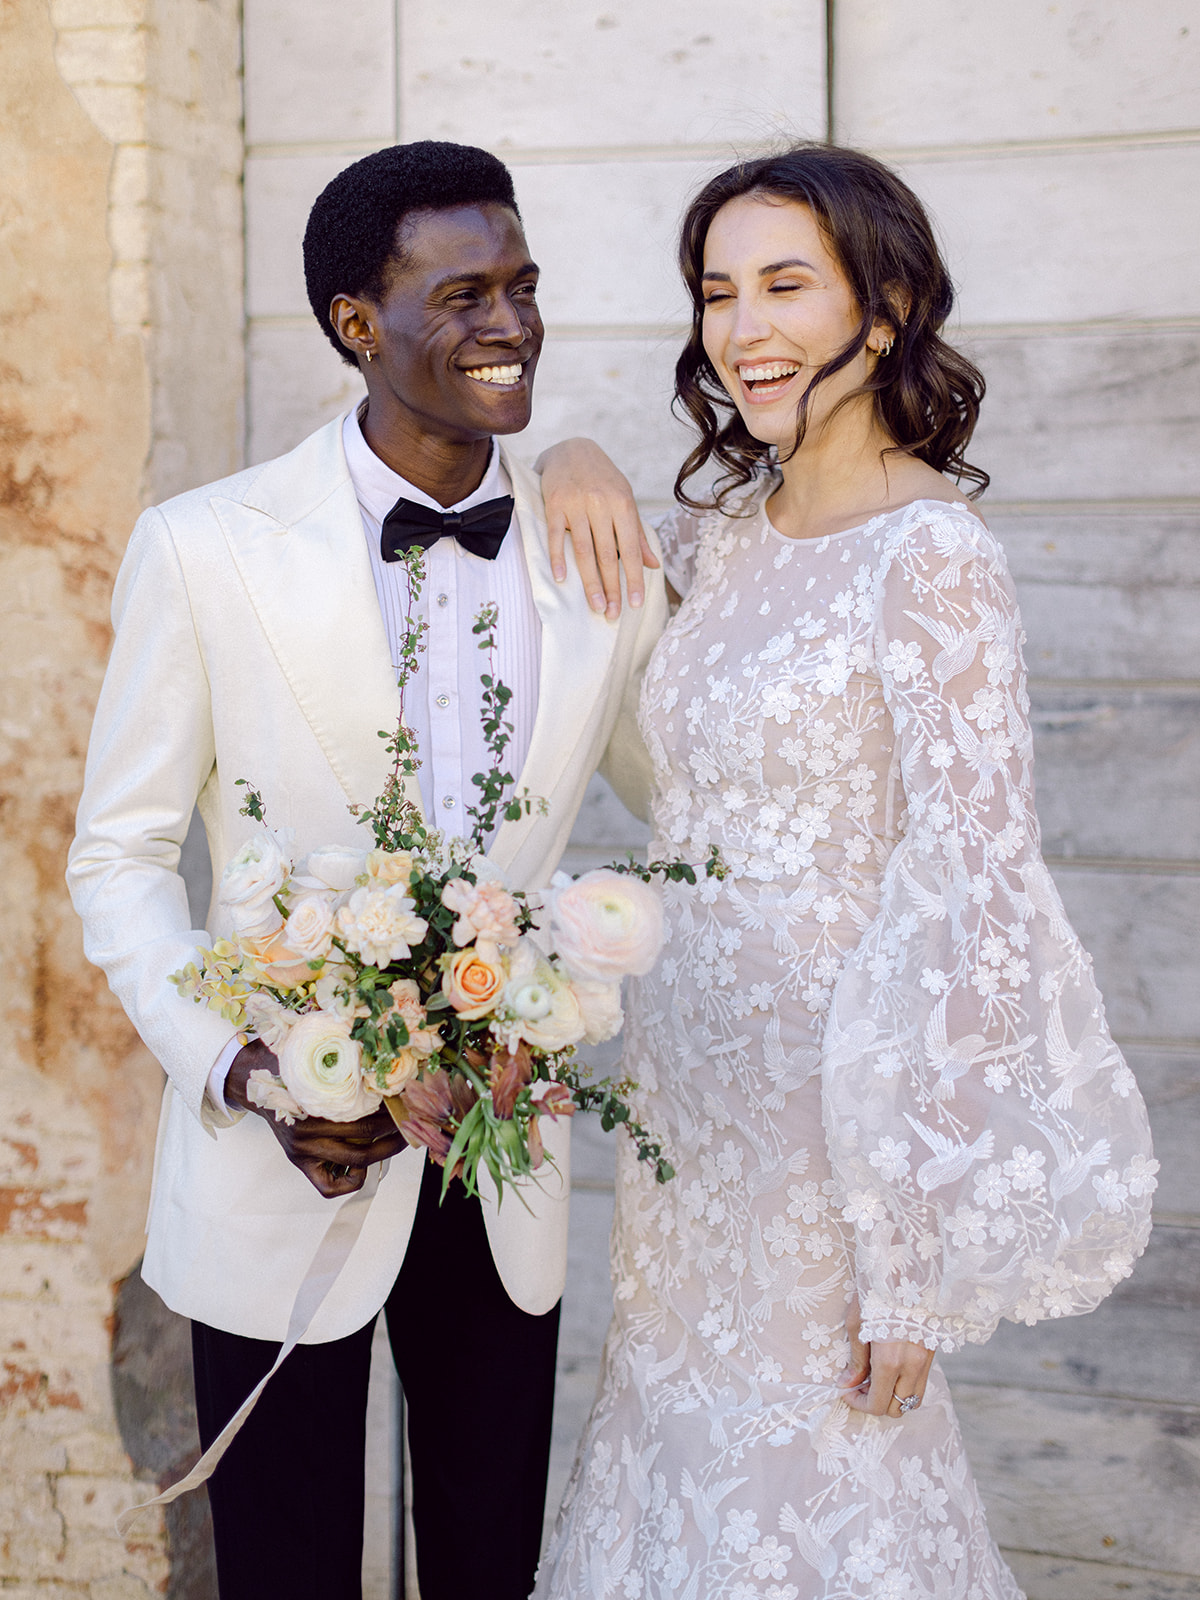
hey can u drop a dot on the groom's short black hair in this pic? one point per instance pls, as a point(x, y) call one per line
point(353, 237)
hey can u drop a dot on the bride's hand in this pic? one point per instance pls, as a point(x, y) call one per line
point(879, 1373)
point(589, 499)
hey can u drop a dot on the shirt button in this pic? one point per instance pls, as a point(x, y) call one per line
point(448, 801)
point(443, 699)
point(443, 599)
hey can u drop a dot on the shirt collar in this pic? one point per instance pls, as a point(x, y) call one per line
point(378, 487)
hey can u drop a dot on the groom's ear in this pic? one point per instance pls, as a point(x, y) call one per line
point(353, 321)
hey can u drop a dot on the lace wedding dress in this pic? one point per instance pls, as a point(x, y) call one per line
point(878, 1061)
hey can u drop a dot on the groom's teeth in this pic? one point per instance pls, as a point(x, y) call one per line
point(768, 374)
point(499, 375)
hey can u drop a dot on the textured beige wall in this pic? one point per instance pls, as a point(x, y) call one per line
point(120, 379)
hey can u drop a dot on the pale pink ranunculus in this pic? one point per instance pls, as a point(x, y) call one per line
point(473, 980)
point(484, 911)
point(249, 884)
point(600, 1007)
point(605, 925)
point(321, 1067)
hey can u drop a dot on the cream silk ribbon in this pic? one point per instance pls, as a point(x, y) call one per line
point(331, 1256)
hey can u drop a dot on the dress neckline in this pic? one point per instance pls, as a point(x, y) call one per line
point(861, 527)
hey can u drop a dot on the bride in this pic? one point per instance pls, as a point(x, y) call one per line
point(875, 1052)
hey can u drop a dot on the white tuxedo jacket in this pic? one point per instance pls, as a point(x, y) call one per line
point(249, 644)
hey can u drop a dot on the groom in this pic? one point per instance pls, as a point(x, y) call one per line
point(256, 631)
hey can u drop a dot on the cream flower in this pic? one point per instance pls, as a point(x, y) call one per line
point(403, 1068)
point(389, 866)
point(309, 930)
point(274, 961)
point(332, 866)
point(606, 924)
point(265, 1090)
point(251, 881)
point(473, 980)
point(334, 992)
point(320, 1065)
point(600, 1007)
point(271, 1021)
point(562, 1025)
point(484, 911)
point(380, 925)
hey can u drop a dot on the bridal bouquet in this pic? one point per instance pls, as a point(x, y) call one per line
point(409, 975)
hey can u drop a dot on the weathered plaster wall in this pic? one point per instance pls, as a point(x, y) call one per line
point(119, 246)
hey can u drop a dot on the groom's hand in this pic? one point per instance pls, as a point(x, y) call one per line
point(333, 1156)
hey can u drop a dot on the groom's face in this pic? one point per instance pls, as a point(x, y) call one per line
point(458, 332)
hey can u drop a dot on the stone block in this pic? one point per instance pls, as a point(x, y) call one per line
point(1117, 546)
point(296, 383)
point(531, 76)
point(1143, 930)
point(117, 109)
point(635, 208)
point(1170, 1083)
point(1094, 631)
point(1032, 69)
point(604, 822)
point(1029, 235)
point(1093, 415)
point(1044, 1577)
point(102, 55)
point(617, 391)
point(587, 1299)
point(280, 190)
point(1118, 771)
point(320, 71)
point(65, 14)
point(1091, 1479)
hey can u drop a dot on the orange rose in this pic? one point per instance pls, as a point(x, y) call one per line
point(473, 980)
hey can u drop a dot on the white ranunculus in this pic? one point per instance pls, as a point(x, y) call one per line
point(529, 998)
point(380, 925)
point(560, 1026)
point(251, 881)
point(334, 866)
point(309, 929)
point(321, 1067)
point(605, 925)
point(600, 1007)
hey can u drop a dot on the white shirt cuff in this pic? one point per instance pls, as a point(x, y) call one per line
point(217, 1077)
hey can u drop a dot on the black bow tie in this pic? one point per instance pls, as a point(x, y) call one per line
point(480, 529)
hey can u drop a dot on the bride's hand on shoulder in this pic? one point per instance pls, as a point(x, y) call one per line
point(880, 1375)
point(589, 500)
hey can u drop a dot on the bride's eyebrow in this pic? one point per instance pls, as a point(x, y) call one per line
point(774, 266)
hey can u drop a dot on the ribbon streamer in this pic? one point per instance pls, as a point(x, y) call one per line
point(331, 1256)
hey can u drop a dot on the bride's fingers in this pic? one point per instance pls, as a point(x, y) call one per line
point(910, 1380)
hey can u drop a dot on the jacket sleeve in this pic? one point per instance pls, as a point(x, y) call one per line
point(626, 762)
point(151, 751)
point(990, 1141)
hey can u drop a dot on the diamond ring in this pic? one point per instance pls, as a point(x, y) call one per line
point(909, 1403)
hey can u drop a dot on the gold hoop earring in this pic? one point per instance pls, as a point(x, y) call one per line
point(885, 348)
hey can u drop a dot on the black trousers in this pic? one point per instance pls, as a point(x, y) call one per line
point(478, 1380)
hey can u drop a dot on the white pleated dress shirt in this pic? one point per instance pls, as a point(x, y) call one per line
point(443, 700)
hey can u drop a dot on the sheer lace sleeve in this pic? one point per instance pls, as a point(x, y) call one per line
point(679, 534)
point(990, 1140)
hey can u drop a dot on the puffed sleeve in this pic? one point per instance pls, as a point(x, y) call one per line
point(990, 1141)
point(679, 533)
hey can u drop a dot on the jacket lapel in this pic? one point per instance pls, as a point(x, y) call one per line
point(577, 649)
point(296, 537)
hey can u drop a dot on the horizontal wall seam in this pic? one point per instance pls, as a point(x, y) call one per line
point(1164, 1046)
point(1115, 685)
point(1132, 866)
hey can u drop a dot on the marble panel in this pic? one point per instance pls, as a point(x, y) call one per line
point(1143, 931)
point(1046, 1577)
point(1093, 415)
point(1044, 235)
point(280, 191)
point(1085, 631)
point(324, 70)
point(528, 75)
point(915, 72)
point(1118, 773)
point(1120, 545)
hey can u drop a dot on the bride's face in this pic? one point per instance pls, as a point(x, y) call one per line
point(777, 307)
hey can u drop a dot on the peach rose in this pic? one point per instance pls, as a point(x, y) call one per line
point(473, 980)
point(275, 961)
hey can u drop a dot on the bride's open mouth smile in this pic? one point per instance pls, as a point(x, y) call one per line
point(765, 381)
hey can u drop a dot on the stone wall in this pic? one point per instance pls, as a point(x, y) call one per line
point(119, 254)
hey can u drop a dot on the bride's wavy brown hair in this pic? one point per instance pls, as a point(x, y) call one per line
point(927, 395)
